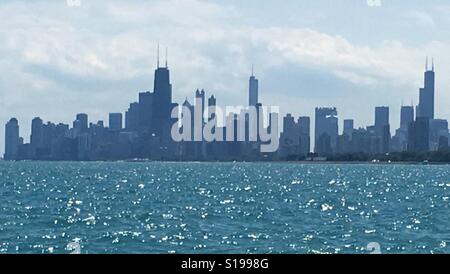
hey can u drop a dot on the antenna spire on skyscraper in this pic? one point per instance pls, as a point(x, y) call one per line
point(253, 69)
point(432, 64)
point(157, 64)
point(167, 53)
point(426, 64)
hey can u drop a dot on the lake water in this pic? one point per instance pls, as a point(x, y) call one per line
point(223, 208)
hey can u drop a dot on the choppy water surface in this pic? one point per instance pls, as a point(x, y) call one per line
point(223, 208)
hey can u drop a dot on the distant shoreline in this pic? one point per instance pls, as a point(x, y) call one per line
point(247, 162)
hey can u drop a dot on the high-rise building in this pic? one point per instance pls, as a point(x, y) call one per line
point(381, 118)
point(198, 113)
point(349, 126)
point(418, 135)
point(37, 133)
point(400, 140)
point(326, 130)
point(253, 90)
point(212, 103)
point(82, 124)
point(382, 128)
point(426, 100)
point(132, 117)
point(146, 112)
point(162, 100)
point(12, 139)
point(406, 116)
point(290, 137)
point(438, 129)
point(304, 124)
point(115, 121)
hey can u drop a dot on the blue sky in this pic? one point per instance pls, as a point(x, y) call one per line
point(58, 60)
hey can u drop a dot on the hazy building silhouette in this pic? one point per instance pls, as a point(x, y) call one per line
point(162, 100)
point(418, 135)
point(82, 124)
point(132, 117)
point(37, 133)
point(290, 137)
point(443, 143)
point(426, 100)
point(304, 124)
point(349, 126)
point(382, 128)
point(115, 121)
point(438, 129)
point(12, 140)
point(406, 116)
point(326, 130)
point(381, 118)
point(146, 112)
point(399, 142)
point(253, 90)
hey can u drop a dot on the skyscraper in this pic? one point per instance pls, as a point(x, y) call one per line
point(253, 90)
point(115, 121)
point(199, 112)
point(37, 133)
point(418, 135)
point(426, 100)
point(400, 140)
point(12, 139)
point(132, 117)
point(212, 103)
point(146, 112)
point(382, 128)
point(406, 116)
point(438, 129)
point(162, 99)
point(349, 126)
point(304, 125)
point(381, 118)
point(326, 130)
point(82, 124)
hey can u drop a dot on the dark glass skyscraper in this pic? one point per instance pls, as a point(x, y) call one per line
point(132, 118)
point(382, 128)
point(12, 139)
point(381, 118)
point(146, 112)
point(326, 130)
point(349, 126)
point(406, 116)
point(81, 122)
point(162, 100)
point(426, 100)
point(419, 135)
point(304, 124)
point(37, 133)
point(115, 121)
point(253, 90)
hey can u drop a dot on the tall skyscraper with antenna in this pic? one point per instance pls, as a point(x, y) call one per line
point(425, 109)
point(162, 98)
point(253, 89)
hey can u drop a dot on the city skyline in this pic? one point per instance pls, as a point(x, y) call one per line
point(157, 128)
point(64, 65)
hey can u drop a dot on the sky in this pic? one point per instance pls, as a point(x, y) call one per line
point(59, 58)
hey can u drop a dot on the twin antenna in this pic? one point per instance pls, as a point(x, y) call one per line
point(432, 64)
point(167, 52)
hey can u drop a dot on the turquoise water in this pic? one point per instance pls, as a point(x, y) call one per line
point(223, 208)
